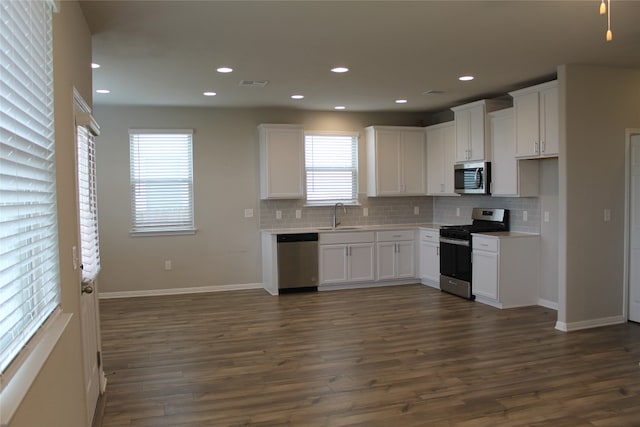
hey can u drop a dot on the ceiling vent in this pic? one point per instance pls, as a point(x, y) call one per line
point(433, 92)
point(253, 83)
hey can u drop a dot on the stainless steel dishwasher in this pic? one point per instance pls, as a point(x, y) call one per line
point(297, 262)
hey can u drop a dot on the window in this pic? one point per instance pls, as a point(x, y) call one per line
point(29, 265)
point(331, 165)
point(161, 181)
point(87, 198)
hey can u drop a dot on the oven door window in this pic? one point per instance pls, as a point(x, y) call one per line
point(455, 261)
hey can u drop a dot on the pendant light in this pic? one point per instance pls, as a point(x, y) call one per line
point(606, 9)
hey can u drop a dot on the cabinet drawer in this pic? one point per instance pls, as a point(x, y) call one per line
point(394, 236)
point(429, 235)
point(346, 237)
point(485, 243)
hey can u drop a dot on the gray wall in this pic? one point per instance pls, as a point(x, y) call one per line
point(597, 104)
point(226, 248)
point(57, 398)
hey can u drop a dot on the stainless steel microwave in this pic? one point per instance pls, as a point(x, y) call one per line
point(472, 178)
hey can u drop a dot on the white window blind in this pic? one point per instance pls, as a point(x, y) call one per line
point(29, 272)
point(88, 204)
point(161, 181)
point(331, 165)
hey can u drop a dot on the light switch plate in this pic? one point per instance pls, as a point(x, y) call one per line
point(607, 215)
point(416, 210)
point(525, 216)
point(298, 213)
point(365, 211)
point(278, 214)
point(248, 213)
point(546, 216)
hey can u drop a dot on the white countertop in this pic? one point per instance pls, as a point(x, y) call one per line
point(345, 228)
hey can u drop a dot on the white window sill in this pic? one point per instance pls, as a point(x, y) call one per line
point(152, 233)
point(13, 390)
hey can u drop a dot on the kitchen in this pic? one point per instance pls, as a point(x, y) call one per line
point(599, 103)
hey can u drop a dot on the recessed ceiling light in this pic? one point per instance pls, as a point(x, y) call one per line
point(465, 78)
point(103, 91)
point(339, 107)
point(209, 93)
point(401, 101)
point(224, 70)
point(94, 65)
point(297, 96)
point(340, 69)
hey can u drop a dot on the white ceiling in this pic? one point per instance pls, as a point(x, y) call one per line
point(166, 52)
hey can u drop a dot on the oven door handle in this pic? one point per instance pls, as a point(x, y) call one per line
point(455, 242)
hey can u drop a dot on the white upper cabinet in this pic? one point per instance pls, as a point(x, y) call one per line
point(281, 161)
point(441, 149)
point(395, 161)
point(536, 120)
point(510, 176)
point(472, 129)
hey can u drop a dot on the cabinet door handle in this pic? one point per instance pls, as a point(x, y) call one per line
point(543, 146)
point(438, 250)
point(536, 147)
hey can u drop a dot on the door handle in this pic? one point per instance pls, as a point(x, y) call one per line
point(87, 289)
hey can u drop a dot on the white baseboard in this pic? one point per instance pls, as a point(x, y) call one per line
point(548, 304)
point(588, 324)
point(179, 291)
point(431, 284)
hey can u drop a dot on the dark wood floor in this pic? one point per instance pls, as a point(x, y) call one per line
point(395, 356)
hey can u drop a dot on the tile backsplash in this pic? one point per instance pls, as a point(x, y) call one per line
point(400, 210)
point(445, 210)
point(381, 210)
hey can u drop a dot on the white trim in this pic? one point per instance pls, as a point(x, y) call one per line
point(161, 131)
point(350, 133)
point(626, 279)
point(180, 291)
point(342, 286)
point(592, 323)
point(14, 390)
point(548, 304)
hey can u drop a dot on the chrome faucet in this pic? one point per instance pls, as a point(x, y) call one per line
point(336, 223)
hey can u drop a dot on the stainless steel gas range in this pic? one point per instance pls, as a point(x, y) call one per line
point(456, 246)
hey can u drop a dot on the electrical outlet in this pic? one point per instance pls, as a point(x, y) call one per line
point(248, 213)
point(365, 211)
point(546, 216)
point(298, 213)
point(167, 265)
point(607, 215)
point(525, 216)
point(278, 214)
point(416, 210)
point(457, 211)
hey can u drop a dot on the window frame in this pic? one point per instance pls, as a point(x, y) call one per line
point(35, 141)
point(138, 228)
point(352, 201)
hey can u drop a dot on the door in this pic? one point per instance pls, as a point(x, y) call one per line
point(634, 226)
point(333, 263)
point(88, 259)
point(405, 260)
point(361, 262)
point(413, 161)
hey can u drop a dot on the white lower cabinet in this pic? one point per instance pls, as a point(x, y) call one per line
point(429, 257)
point(396, 254)
point(346, 257)
point(505, 270)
